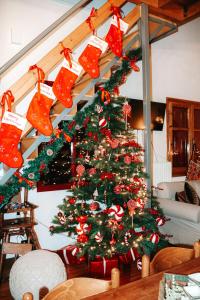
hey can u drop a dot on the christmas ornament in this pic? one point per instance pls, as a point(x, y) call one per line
point(72, 201)
point(132, 205)
point(95, 194)
point(82, 228)
point(31, 175)
point(70, 218)
point(82, 238)
point(61, 218)
point(160, 221)
point(139, 264)
point(99, 108)
point(89, 58)
point(38, 113)
point(113, 241)
point(49, 152)
point(75, 251)
point(126, 109)
point(1, 198)
point(117, 189)
point(80, 169)
point(127, 159)
point(106, 175)
point(114, 36)
point(52, 228)
point(102, 122)
point(66, 78)
point(116, 211)
point(105, 96)
point(11, 129)
point(92, 171)
point(127, 236)
point(87, 158)
point(154, 238)
point(114, 143)
point(94, 206)
point(82, 219)
point(98, 237)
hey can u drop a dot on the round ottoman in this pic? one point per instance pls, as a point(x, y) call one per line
point(36, 269)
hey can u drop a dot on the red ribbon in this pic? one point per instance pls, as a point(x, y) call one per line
point(105, 95)
point(21, 178)
point(6, 98)
point(132, 63)
point(40, 74)
point(93, 13)
point(66, 52)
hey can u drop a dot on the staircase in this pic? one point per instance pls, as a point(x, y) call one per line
point(84, 87)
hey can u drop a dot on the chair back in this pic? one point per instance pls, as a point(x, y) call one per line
point(167, 258)
point(15, 248)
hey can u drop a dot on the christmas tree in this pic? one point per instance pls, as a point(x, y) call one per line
point(107, 213)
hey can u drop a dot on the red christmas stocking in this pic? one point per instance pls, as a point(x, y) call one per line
point(65, 79)
point(39, 108)
point(90, 56)
point(11, 129)
point(114, 37)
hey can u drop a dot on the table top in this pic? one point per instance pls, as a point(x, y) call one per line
point(146, 288)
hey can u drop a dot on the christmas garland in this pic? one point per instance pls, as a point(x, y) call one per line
point(31, 173)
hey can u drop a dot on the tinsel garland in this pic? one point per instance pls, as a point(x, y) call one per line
point(30, 174)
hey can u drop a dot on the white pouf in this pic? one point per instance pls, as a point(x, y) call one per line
point(36, 269)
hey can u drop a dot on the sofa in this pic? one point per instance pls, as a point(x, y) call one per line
point(184, 223)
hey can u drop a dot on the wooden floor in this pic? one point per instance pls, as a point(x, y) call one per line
point(128, 273)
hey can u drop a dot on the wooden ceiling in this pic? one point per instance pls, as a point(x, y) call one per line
point(179, 11)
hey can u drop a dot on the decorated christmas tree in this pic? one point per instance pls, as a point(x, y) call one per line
point(108, 212)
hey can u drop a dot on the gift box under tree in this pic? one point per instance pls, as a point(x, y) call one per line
point(101, 267)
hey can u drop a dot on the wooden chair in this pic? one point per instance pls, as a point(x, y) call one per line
point(80, 287)
point(167, 258)
point(13, 248)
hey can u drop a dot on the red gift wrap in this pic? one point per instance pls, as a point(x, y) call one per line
point(129, 257)
point(102, 267)
point(66, 255)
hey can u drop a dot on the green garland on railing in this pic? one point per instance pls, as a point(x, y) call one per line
point(31, 173)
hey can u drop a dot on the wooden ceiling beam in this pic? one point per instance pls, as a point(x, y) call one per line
point(153, 3)
point(193, 10)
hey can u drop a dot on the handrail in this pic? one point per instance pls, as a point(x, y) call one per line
point(43, 34)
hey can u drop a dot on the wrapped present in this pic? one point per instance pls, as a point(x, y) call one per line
point(129, 257)
point(102, 267)
point(68, 254)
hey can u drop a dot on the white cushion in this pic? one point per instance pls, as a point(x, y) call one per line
point(195, 184)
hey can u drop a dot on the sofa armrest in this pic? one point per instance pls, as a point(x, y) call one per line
point(180, 210)
point(168, 190)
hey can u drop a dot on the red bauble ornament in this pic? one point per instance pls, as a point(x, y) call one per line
point(92, 171)
point(127, 159)
point(126, 109)
point(154, 238)
point(90, 134)
point(114, 143)
point(80, 169)
point(82, 259)
point(120, 227)
point(102, 122)
point(71, 201)
point(94, 205)
point(160, 221)
point(82, 238)
point(116, 211)
point(117, 189)
point(106, 175)
point(82, 219)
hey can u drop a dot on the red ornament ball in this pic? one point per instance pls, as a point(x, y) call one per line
point(92, 171)
point(82, 238)
point(127, 159)
point(154, 238)
point(82, 219)
point(71, 201)
point(117, 189)
point(80, 169)
point(160, 221)
point(114, 143)
point(94, 205)
point(102, 122)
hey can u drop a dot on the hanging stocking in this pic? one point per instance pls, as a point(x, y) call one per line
point(96, 46)
point(114, 36)
point(66, 78)
point(39, 108)
point(11, 129)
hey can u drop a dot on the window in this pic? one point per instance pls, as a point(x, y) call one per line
point(183, 131)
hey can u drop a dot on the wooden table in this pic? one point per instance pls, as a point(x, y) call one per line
point(146, 288)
